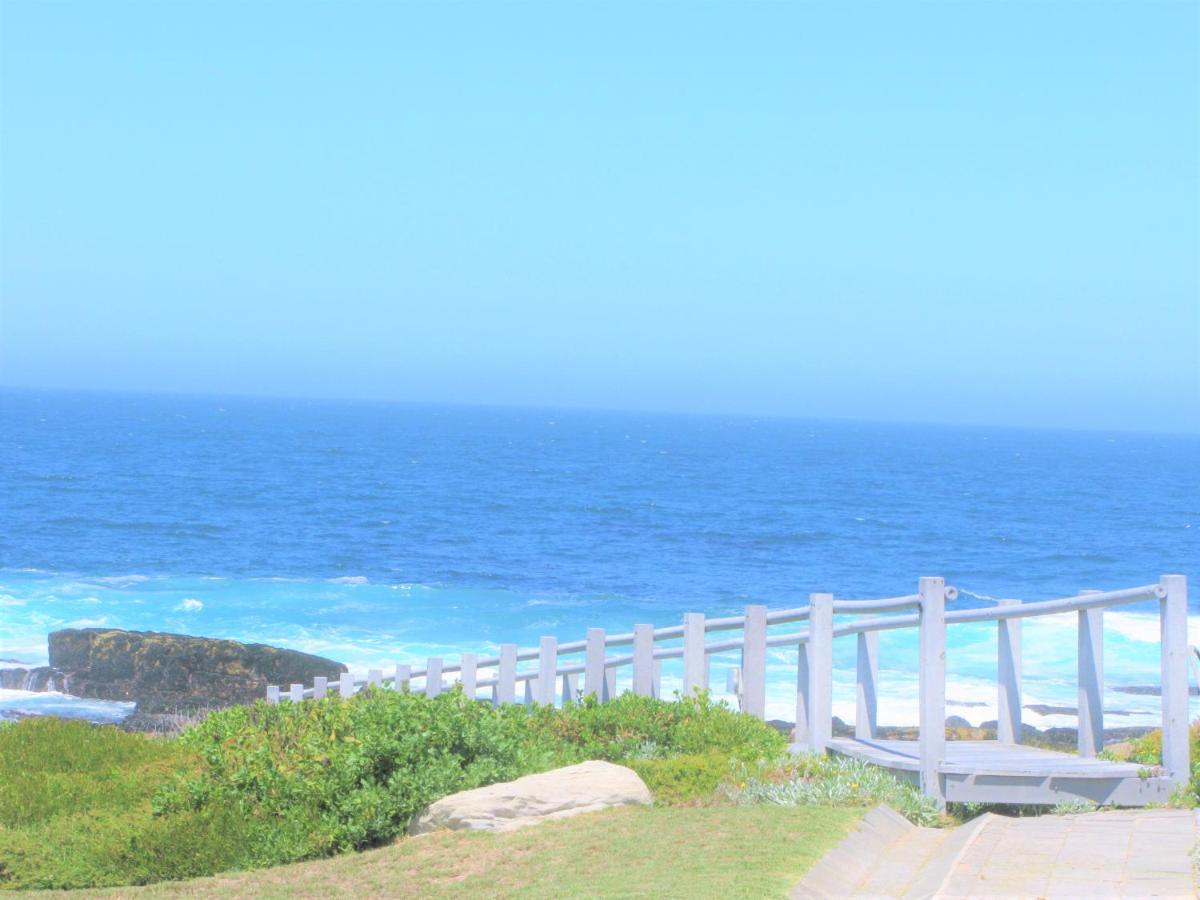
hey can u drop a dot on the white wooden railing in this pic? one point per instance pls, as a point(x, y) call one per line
point(554, 677)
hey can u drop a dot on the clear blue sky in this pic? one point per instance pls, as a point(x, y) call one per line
point(963, 212)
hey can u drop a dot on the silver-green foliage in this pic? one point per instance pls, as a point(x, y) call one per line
point(836, 781)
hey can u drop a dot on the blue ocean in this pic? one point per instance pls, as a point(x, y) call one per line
point(381, 533)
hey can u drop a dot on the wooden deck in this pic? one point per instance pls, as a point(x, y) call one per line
point(994, 772)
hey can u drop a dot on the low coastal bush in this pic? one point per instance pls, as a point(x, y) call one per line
point(252, 786)
point(336, 775)
point(834, 781)
point(75, 810)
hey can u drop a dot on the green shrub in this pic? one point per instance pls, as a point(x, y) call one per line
point(835, 781)
point(632, 727)
point(684, 779)
point(260, 785)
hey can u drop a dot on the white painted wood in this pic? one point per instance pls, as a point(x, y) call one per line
point(695, 672)
point(469, 675)
point(1091, 680)
point(867, 706)
point(506, 675)
point(433, 676)
point(346, 685)
point(803, 692)
point(754, 661)
point(593, 672)
point(656, 685)
point(1174, 636)
point(1008, 678)
point(272, 694)
point(320, 686)
point(529, 700)
point(570, 691)
point(932, 681)
point(820, 671)
point(547, 667)
point(296, 694)
point(610, 682)
point(375, 677)
point(643, 660)
point(402, 677)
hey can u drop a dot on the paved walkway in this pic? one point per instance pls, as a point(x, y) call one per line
point(1144, 853)
point(1125, 853)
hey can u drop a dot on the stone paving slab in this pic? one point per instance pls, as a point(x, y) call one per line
point(1126, 854)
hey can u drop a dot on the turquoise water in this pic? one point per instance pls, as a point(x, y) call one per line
point(381, 533)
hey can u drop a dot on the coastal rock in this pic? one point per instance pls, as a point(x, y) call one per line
point(172, 672)
point(38, 678)
point(587, 787)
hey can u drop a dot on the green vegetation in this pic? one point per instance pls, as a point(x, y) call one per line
point(1147, 750)
point(667, 852)
point(260, 785)
point(834, 781)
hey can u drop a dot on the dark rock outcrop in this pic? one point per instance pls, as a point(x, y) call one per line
point(171, 672)
point(39, 678)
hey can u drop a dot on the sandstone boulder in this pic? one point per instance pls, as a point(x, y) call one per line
point(170, 672)
point(587, 787)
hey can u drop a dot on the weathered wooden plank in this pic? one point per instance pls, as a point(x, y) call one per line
point(1174, 637)
point(695, 670)
point(296, 694)
point(932, 684)
point(320, 686)
point(643, 660)
point(1091, 680)
point(867, 705)
point(570, 692)
point(272, 694)
point(754, 661)
point(433, 676)
point(469, 675)
point(346, 685)
point(547, 669)
point(1008, 677)
point(506, 675)
point(402, 677)
point(594, 681)
point(820, 671)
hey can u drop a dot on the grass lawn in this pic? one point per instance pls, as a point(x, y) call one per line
point(692, 852)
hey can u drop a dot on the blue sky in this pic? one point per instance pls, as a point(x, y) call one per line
point(965, 212)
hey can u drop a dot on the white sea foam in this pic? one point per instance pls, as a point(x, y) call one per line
point(349, 579)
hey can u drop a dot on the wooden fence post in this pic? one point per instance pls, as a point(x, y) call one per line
point(467, 675)
point(820, 672)
point(1091, 680)
point(569, 692)
point(375, 677)
point(1008, 678)
point(433, 676)
point(297, 693)
point(594, 681)
point(320, 686)
point(754, 661)
point(643, 660)
point(1175, 690)
point(272, 694)
point(867, 678)
point(346, 685)
point(803, 694)
point(547, 669)
point(402, 677)
point(694, 669)
point(932, 678)
point(506, 675)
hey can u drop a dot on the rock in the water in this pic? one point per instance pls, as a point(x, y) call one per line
point(587, 787)
point(39, 678)
point(171, 672)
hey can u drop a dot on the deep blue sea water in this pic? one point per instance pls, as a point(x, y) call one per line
point(379, 533)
